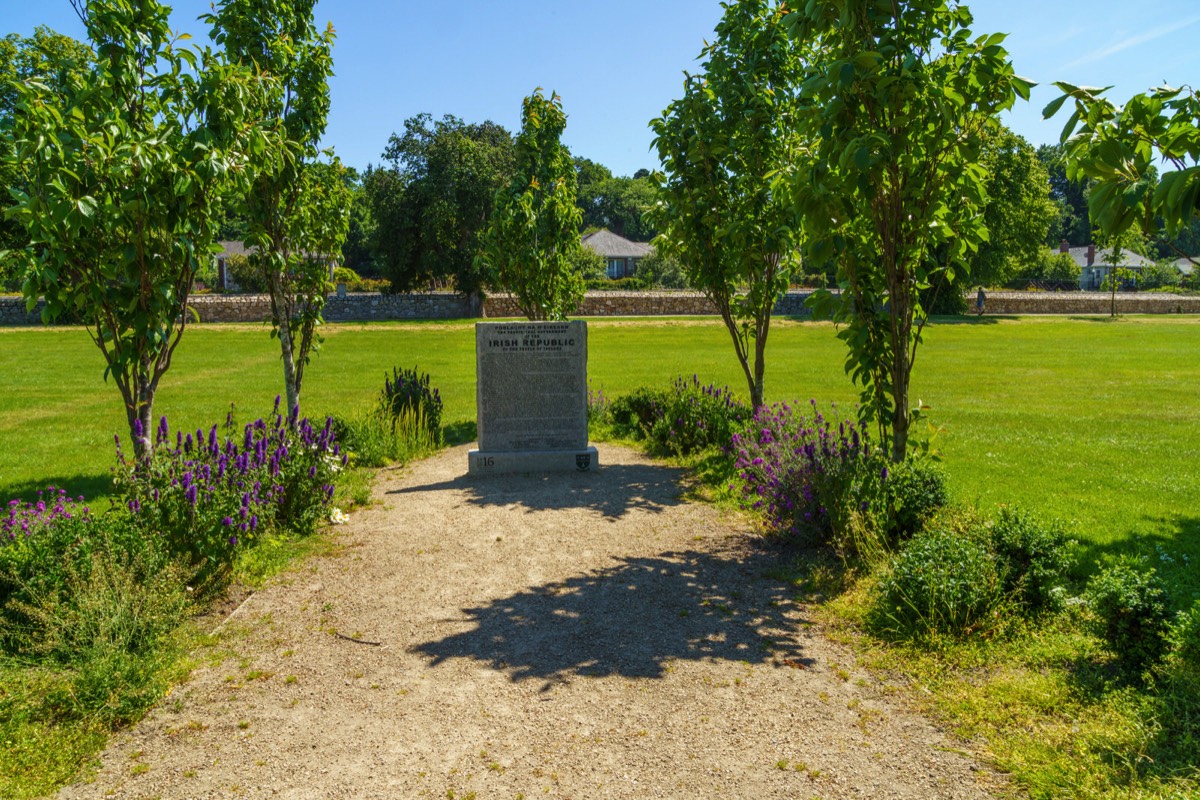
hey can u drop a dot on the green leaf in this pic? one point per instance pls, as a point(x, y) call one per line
point(1053, 106)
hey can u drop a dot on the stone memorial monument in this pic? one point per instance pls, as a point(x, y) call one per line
point(531, 396)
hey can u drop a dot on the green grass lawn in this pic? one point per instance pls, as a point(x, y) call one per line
point(1091, 421)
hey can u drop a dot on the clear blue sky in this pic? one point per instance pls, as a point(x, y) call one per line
point(618, 64)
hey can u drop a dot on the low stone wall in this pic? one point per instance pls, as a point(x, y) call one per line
point(369, 307)
point(1087, 303)
point(13, 313)
point(642, 304)
point(365, 307)
point(231, 307)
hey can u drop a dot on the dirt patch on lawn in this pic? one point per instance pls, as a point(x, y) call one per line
point(577, 636)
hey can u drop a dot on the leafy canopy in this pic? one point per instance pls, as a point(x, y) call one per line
point(51, 59)
point(1019, 212)
point(297, 210)
point(433, 204)
point(1117, 147)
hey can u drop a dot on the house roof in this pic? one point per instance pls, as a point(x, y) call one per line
point(232, 249)
point(1186, 265)
point(1130, 259)
point(609, 245)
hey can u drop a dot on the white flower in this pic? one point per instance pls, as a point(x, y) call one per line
point(338, 517)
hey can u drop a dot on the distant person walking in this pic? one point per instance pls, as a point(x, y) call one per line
point(980, 299)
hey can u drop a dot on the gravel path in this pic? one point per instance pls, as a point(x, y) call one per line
point(582, 636)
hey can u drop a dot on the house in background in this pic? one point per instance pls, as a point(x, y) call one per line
point(621, 255)
point(1094, 265)
point(226, 282)
point(228, 249)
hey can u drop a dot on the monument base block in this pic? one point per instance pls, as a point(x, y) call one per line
point(481, 462)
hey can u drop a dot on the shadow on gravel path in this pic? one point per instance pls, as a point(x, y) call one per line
point(633, 619)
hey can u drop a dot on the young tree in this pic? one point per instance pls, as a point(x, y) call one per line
point(1116, 148)
point(718, 210)
point(433, 205)
point(297, 210)
point(901, 101)
point(535, 227)
point(126, 164)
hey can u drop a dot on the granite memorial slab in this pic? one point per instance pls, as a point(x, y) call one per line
point(531, 398)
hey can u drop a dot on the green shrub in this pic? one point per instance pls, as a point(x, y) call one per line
point(614, 285)
point(694, 417)
point(1059, 267)
point(345, 275)
point(381, 285)
point(942, 583)
point(944, 297)
point(13, 266)
point(408, 395)
point(1050, 266)
point(633, 414)
point(1131, 606)
point(590, 264)
point(247, 279)
point(1159, 276)
point(915, 489)
point(1033, 559)
point(657, 271)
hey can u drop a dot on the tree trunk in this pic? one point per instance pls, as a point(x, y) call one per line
point(900, 415)
point(146, 418)
point(286, 346)
point(139, 414)
point(757, 390)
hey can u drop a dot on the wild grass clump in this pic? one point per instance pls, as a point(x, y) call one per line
point(408, 398)
point(405, 423)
